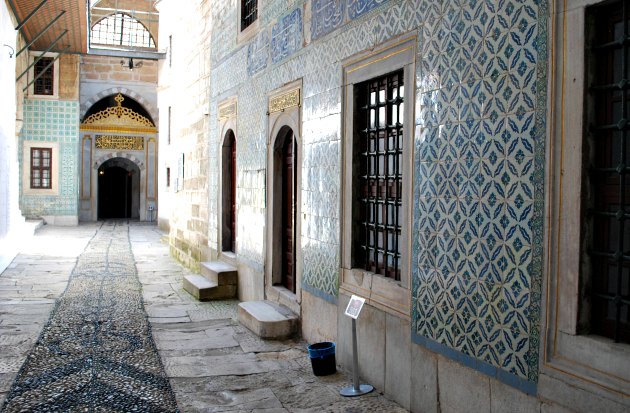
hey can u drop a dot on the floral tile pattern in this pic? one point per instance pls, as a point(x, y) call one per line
point(478, 162)
point(479, 217)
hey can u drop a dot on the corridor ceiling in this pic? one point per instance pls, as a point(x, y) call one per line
point(45, 24)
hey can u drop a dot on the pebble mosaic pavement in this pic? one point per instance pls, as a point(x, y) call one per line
point(96, 353)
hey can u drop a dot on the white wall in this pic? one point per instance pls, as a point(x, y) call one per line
point(11, 220)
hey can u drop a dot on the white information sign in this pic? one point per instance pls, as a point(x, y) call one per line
point(354, 306)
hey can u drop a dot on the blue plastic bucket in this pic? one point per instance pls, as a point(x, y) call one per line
point(323, 358)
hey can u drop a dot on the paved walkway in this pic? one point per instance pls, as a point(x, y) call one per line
point(212, 363)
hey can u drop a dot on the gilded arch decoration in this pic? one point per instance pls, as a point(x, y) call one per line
point(118, 119)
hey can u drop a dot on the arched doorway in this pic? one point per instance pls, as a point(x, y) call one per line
point(118, 189)
point(284, 208)
point(228, 223)
point(118, 132)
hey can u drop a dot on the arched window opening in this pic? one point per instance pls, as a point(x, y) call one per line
point(121, 29)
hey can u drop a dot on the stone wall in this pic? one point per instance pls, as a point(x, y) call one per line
point(109, 69)
point(11, 219)
point(471, 339)
point(183, 86)
point(69, 81)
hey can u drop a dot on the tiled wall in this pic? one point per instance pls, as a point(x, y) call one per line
point(478, 158)
point(54, 121)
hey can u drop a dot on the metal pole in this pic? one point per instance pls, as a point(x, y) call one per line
point(357, 389)
point(42, 55)
point(44, 70)
point(355, 358)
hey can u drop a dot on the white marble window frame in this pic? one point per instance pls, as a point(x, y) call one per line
point(26, 168)
point(591, 361)
point(389, 295)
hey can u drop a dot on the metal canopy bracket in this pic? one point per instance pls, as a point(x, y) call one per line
point(46, 68)
point(42, 55)
point(31, 14)
point(44, 30)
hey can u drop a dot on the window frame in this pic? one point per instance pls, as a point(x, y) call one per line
point(123, 17)
point(55, 69)
point(41, 168)
point(603, 189)
point(247, 33)
point(596, 362)
point(26, 168)
point(384, 293)
point(376, 195)
point(241, 19)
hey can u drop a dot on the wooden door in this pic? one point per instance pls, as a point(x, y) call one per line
point(289, 174)
point(233, 195)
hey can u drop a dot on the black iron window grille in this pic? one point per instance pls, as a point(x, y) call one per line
point(41, 166)
point(121, 29)
point(608, 157)
point(249, 13)
point(44, 84)
point(377, 180)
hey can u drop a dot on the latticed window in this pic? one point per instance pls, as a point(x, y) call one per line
point(121, 29)
point(378, 146)
point(44, 73)
point(608, 188)
point(41, 166)
point(249, 13)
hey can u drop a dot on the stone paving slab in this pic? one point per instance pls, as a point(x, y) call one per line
point(213, 363)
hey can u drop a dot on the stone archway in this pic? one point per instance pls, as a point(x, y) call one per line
point(118, 161)
point(118, 189)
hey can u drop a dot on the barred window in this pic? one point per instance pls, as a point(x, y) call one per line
point(249, 13)
point(44, 73)
point(41, 167)
point(378, 134)
point(121, 29)
point(608, 184)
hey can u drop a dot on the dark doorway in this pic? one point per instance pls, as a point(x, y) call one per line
point(118, 189)
point(289, 180)
point(229, 193)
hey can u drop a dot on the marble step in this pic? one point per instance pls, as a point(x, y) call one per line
point(220, 272)
point(267, 319)
point(203, 289)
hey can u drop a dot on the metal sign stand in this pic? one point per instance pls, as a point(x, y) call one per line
point(357, 389)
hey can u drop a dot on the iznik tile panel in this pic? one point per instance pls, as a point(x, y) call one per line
point(286, 36)
point(357, 8)
point(478, 162)
point(54, 121)
point(258, 54)
point(327, 15)
point(478, 220)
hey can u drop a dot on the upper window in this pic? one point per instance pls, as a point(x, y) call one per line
point(41, 166)
point(377, 197)
point(44, 72)
point(249, 13)
point(121, 29)
point(607, 200)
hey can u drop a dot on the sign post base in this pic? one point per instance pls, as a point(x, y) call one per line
point(350, 391)
point(356, 389)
